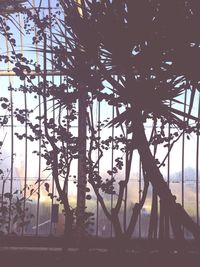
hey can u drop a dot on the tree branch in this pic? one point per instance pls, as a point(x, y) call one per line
point(137, 208)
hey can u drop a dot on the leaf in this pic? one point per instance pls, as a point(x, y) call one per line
point(31, 192)
point(120, 118)
point(183, 114)
point(4, 106)
point(50, 195)
point(88, 197)
point(46, 187)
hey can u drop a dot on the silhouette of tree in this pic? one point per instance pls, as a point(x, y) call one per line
point(139, 51)
point(139, 48)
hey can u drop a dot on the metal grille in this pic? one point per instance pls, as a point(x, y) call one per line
point(23, 170)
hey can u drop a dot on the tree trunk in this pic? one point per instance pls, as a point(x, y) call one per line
point(68, 229)
point(177, 213)
point(82, 180)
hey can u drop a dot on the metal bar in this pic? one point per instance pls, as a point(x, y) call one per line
point(183, 161)
point(8, 73)
point(39, 142)
point(168, 159)
point(98, 154)
point(26, 133)
point(197, 169)
point(12, 157)
point(53, 102)
point(12, 143)
point(25, 160)
point(112, 165)
point(139, 196)
point(167, 219)
point(126, 191)
point(183, 157)
point(39, 172)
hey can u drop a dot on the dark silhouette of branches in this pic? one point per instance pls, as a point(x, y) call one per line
point(134, 56)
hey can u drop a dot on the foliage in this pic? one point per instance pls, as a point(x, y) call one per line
point(128, 55)
point(13, 215)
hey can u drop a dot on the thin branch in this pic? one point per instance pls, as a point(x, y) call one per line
point(123, 184)
point(170, 148)
point(92, 167)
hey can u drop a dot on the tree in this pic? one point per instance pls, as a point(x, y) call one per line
point(132, 48)
point(13, 216)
